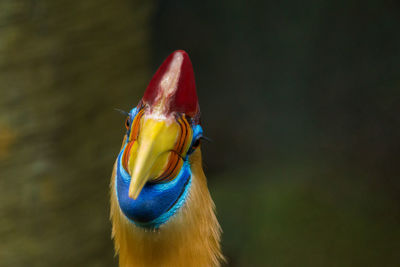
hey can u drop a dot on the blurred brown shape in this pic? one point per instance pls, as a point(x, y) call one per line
point(64, 66)
point(7, 138)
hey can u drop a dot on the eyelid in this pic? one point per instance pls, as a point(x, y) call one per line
point(127, 123)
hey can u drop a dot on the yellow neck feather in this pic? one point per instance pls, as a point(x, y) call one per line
point(190, 238)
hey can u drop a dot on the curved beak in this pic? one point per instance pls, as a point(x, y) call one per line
point(156, 139)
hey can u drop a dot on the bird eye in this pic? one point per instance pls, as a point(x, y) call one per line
point(194, 146)
point(196, 143)
point(127, 123)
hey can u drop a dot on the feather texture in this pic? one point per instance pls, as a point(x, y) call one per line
point(190, 238)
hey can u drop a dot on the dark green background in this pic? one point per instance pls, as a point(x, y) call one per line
point(301, 99)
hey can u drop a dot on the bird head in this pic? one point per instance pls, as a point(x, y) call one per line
point(163, 130)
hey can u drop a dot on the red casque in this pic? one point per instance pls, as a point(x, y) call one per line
point(174, 81)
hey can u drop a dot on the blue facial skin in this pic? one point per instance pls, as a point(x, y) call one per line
point(157, 202)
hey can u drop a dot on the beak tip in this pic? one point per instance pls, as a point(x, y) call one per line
point(135, 190)
point(133, 195)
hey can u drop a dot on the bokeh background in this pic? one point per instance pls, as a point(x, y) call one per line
point(301, 99)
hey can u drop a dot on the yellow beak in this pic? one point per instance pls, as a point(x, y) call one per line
point(149, 156)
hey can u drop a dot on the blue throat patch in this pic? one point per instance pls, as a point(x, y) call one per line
point(157, 202)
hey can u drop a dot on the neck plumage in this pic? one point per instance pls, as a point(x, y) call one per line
point(190, 238)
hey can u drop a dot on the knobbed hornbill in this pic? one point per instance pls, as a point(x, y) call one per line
point(161, 210)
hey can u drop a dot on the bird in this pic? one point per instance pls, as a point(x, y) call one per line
point(161, 211)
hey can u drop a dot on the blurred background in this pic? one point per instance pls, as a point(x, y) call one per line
point(301, 99)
